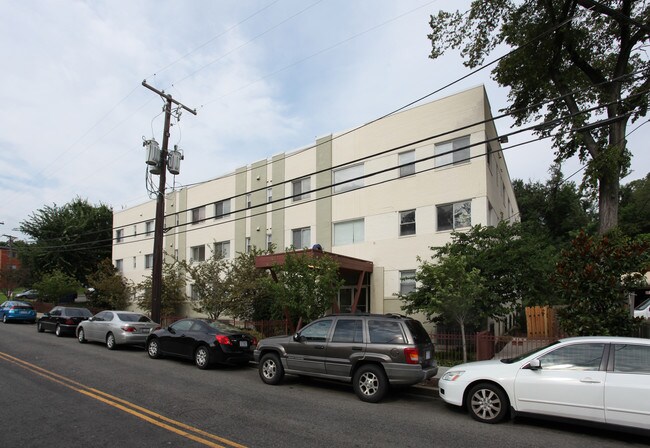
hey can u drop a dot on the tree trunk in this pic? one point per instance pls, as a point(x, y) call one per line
point(462, 333)
point(608, 189)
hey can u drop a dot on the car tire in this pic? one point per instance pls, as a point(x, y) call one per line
point(487, 403)
point(81, 337)
point(57, 330)
point(270, 369)
point(39, 327)
point(110, 341)
point(4, 318)
point(153, 349)
point(370, 383)
point(202, 357)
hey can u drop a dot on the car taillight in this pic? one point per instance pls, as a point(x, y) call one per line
point(69, 322)
point(129, 329)
point(223, 339)
point(254, 341)
point(411, 355)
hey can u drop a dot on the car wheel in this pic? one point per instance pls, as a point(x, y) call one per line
point(202, 357)
point(487, 403)
point(81, 337)
point(270, 369)
point(4, 318)
point(370, 383)
point(39, 327)
point(110, 342)
point(57, 330)
point(153, 348)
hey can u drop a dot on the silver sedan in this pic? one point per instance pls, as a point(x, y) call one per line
point(116, 328)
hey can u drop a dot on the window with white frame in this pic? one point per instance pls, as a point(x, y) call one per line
point(222, 209)
point(249, 200)
point(135, 263)
point(222, 248)
point(148, 227)
point(349, 232)
point(406, 281)
point(269, 195)
point(119, 265)
point(269, 241)
point(452, 152)
point(301, 238)
point(247, 244)
point(148, 261)
point(119, 235)
point(135, 230)
point(342, 178)
point(197, 253)
point(454, 216)
point(198, 215)
point(300, 189)
point(406, 161)
point(407, 223)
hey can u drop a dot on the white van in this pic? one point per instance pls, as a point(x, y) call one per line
point(643, 310)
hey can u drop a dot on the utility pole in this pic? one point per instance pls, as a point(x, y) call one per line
point(156, 273)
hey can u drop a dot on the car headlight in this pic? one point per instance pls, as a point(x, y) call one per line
point(452, 375)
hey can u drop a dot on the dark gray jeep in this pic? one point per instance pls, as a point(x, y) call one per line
point(373, 351)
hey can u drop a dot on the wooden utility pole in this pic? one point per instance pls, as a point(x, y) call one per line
point(156, 272)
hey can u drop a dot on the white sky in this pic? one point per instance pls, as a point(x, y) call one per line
point(265, 76)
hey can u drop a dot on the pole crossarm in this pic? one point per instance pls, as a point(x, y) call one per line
point(168, 97)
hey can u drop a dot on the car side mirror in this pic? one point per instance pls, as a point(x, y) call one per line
point(46, 314)
point(535, 364)
point(298, 338)
point(171, 330)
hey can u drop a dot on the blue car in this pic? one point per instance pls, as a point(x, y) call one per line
point(12, 310)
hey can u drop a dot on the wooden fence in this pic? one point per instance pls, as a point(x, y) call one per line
point(541, 322)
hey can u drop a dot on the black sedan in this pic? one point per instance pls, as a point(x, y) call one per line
point(205, 341)
point(62, 320)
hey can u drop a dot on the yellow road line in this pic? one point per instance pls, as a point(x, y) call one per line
point(124, 405)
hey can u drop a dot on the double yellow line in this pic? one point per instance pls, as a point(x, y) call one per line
point(161, 421)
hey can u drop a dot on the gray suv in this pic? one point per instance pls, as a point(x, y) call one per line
point(373, 351)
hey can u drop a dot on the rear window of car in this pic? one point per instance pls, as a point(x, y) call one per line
point(131, 317)
point(23, 306)
point(78, 312)
point(385, 332)
point(222, 326)
point(420, 335)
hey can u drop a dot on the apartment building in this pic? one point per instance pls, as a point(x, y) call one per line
point(383, 193)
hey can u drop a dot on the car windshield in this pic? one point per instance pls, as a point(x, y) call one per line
point(527, 354)
point(133, 317)
point(222, 326)
point(643, 305)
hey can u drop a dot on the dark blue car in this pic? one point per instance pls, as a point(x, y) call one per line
point(14, 311)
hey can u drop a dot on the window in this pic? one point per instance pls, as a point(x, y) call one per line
point(349, 232)
point(135, 230)
point(134, 262)
point(119, 265)
point(194, 293)
point(119, 235)
point(148, 261)
point(407, 223)
point(222, 248)
point(454, 216)
point(269, 242)
point(406, 163)
point(247, 244)
point(198, 215)
point(317, 332)
point(574, 357)
point(248, 200)
point(348, 330)
point(452, 152)
point(222, 209)
point(198, 253)
point(269, 195)
point(301, 238)
point(342, 178)
point(630, 358)
point(148, 227)
point(300, 189)
point(385, 332)
point(406, 282)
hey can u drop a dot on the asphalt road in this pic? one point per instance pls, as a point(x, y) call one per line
point(57, 392)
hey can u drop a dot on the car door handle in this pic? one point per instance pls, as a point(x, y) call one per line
point(589, 381)
point(357, 348)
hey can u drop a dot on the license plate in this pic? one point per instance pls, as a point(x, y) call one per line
point(243, 344)
point(145, 330)
point(23, 312)
point(427, 355)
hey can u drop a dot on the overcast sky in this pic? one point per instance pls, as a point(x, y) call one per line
point(265, 77)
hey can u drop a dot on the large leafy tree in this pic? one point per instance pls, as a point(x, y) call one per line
point(252, 298)
point(449, 291)
point(572, 55)
point(593, 277)
point(173, 290)
point(73, 239)
point(635, 207)
point(110, 290)
point(210, 281)
point(56, 286)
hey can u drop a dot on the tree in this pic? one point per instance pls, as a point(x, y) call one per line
point(252, 298)
point(173, 290)
point(74, 239)
point(576, 61)
point(449, 290)
point(593, 277)
point(306, 284)
point(635, 207)
point(109, 289)
point(56, 286)
point(210, 281)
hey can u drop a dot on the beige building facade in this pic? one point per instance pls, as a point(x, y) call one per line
point(384, 192)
